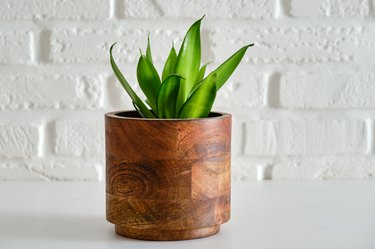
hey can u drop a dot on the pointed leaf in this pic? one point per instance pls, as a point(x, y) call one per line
point(142, 109)
point(201, 73)
point(148, 50)
point(170, 64)
point(167, 97)
point(202, 81)
point(225, 70)
point(148, 80)
point(199, 104)
point(147, 102)
point(200, 77)
point(188, 61)
point(137, 109)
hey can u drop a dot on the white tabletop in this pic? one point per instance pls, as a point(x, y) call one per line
point(267, 214)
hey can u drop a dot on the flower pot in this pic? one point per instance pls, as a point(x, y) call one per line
point(167, 179)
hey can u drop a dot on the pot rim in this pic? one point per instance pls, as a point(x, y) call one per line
point(115, 114)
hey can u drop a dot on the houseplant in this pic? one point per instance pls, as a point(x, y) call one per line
point(168, 162)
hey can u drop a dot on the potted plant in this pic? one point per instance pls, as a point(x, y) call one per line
point(168, 162)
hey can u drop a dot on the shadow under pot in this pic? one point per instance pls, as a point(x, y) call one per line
point(167, 179)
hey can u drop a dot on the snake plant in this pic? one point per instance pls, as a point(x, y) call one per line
point(183, 91)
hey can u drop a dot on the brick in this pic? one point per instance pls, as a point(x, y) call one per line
point(329, 8)
point(325, 88)
point(299, 44)
point(261, 138)
point(46, 170)
point(79, 138)
point(57, 92)
point(15, 47)
point(18, 140)
point(20, 171)
point(304, 168)
point(86, 46)
point(59, 10)
point(324, 169)
point(306, 8)
point(243, 168)
point(238, 133)
point(72, 170)
point(305, 137)
point(257, 9)
point(243, 90)
point(117, 98)
point(146, 9)
point(348, 8)
point(73, 174)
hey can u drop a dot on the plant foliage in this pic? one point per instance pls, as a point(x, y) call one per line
point(183, 91)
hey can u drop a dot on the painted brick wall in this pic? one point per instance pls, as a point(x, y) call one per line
point(302, 100)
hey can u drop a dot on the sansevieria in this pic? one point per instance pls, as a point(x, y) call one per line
point(183, 90)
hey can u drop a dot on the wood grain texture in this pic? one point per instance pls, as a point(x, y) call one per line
point(167, 179)
point(152, 234)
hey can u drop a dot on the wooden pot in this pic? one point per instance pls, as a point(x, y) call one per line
point(167, 179)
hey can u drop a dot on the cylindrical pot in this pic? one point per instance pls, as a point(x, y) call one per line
point(167, 179)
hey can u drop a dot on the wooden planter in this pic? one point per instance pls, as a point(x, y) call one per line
point(167, 179)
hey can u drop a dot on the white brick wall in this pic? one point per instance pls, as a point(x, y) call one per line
point(330, 8)
point(302, 100)
point(78, 138)
point(328, 88)
point(15, 47)
point(18, 140)
point(50, 92)
point(54, 10)
point(305, 137)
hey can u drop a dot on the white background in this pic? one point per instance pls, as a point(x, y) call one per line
point(302, 99)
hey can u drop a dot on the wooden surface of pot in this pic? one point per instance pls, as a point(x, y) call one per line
point(167, 179)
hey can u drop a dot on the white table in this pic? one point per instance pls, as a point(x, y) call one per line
point(300, 215)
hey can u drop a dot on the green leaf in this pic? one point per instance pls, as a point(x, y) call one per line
point(148, 50)
point(170, 64)
point(200, 77)
point(147, 101)
point(188, 61)
point(225, 70)
point(201, 81)
point(142, 109)
point(148, 80)
point(199, 104)
point(137, 109)
point(201, 73)
point(167, 97)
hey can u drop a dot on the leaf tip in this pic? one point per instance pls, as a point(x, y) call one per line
point(110, 49)
point(198, 22)
point(148, 40)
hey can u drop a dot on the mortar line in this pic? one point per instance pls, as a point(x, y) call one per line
point(243, 138)
point(33, 47)
point(272, 91)
point(280, 9)
point(112, 10)
point(42, 140)
point(369, 136)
